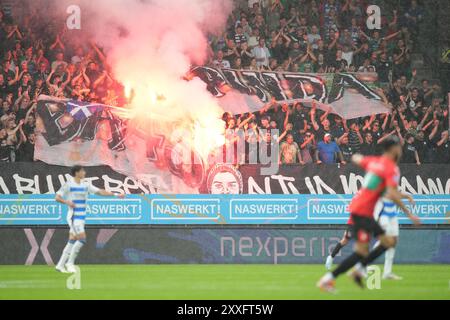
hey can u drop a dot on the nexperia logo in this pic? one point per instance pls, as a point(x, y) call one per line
point(275, 249)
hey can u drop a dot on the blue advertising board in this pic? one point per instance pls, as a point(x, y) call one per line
point(204, 209)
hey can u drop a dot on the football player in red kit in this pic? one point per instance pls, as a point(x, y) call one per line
point(381, 179)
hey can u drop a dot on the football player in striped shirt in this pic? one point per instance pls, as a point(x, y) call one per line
point(388, 220)
point(74, 193)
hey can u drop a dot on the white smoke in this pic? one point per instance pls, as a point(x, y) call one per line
point(163, 38)
point(150, 45)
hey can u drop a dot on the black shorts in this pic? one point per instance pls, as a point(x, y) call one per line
point(363, 228)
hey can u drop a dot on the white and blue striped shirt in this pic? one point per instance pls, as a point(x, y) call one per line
point(389, 208)
point(385, 207)
point(78, 194)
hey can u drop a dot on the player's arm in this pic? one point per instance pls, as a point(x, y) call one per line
point(408, 197)
point(60, 199)
point(61, 194)
point(396, 196)
point(103, 192)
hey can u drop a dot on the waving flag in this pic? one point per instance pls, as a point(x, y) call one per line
point(81, 110)
point(73, 132)
point(239, 91)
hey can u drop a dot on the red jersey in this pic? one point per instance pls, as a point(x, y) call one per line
point(381, 172)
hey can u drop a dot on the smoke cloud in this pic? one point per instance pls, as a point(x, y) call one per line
point(150, 45)
point(162, 39)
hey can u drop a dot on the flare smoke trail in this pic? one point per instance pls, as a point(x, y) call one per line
point(150, 45)
point(162, 39)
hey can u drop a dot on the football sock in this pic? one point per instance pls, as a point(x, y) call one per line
point(345, 265)
point(375, 253)
point(336, 249)
point(75, 250)
point(388, 261)
point(65, 254)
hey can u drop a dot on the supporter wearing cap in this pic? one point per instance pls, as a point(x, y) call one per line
point(328, 151)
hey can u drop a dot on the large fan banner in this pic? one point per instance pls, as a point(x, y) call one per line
point(89, 134)
point(158, 151)
point(350, 95)
point(40, 178)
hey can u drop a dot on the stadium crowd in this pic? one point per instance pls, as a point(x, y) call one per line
point(37, 57)
point(332, 36)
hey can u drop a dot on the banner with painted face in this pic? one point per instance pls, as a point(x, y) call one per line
point(41, 178)
point(312, 194)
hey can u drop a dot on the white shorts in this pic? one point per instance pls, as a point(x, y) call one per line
point(389, 225)
point(76, 226)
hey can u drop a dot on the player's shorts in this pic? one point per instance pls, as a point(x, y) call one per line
point(76, 225)
point(389, 225)
point(364, 228)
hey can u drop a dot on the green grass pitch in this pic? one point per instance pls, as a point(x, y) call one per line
point(214, 282)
